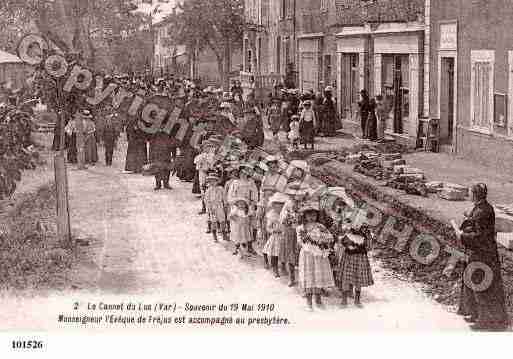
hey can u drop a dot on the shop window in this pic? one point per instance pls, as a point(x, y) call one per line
point(396, 91)
point(283, 9)
point(327, 70)
point(482, 89)
point(278, 55)
point(349, 91)
point(324, 5)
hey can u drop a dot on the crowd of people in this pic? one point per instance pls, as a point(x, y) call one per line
point(267, 211)
point(276, 215)
point(279, 216)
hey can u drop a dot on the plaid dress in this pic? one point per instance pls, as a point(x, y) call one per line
point(354, 266)
point(314, 265)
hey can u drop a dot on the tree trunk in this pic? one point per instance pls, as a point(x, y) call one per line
point(227, 59)
point(222, 73)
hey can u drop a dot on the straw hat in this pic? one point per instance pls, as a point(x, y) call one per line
point(240, 199)
point(300, 164)
point(355, 237)
point(225, 104)
point(309, 206)
point(277, 198)
point(246, 165)
point(295, 189)
point(212, 177)
point(86, 114)
point(268, 188)
point(271, 159)
point(340, 193)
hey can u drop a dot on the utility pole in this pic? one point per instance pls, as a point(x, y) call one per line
point(61, 179)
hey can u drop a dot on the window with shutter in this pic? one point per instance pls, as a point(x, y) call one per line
point(482, 89)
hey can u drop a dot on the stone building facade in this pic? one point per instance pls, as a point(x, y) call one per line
point(471, 78)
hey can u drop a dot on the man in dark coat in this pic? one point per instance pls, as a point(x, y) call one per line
point(252, 130)
point(110, 133)
point(136, 156)
point(483, 306)
point(162, 147)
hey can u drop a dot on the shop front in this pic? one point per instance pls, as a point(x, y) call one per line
point(353, 68)
point(310, 51)
point(398, 75)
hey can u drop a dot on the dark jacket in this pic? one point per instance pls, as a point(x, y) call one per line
point(161, 148)
point(253, 133)
point(479, 239)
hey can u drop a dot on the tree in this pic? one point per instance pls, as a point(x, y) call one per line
point(216, 25)
point(86, 27)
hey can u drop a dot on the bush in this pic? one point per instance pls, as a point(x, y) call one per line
point(16, 150)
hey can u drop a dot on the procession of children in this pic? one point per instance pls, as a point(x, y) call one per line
point(279, 216)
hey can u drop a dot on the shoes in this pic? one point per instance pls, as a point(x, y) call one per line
point(357, 299)
point(157, 188)
point(167, 187)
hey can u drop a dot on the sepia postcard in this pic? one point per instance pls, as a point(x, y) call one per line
point(192, 166)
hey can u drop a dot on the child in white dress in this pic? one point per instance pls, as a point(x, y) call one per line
point(294, 132)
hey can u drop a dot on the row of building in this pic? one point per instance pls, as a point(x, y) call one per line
point(449, 60)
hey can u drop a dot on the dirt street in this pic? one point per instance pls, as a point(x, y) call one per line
point(148, 246)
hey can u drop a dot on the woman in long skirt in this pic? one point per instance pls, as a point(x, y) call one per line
point(136, 156)
point(485, 307)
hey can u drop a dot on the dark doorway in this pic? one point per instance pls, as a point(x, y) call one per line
point(447, 100)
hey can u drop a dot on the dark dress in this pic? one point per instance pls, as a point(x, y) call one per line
point(487, 306)
point(71, 145)
point(91, 149)
point(162, 148)
point(136, 156)
point(285, 118)
point(371, 126)
point(364, 115)
point(110, 135)
point(253, 132)
point(274, 120)
point(329, 117)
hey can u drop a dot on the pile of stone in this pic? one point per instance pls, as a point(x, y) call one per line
point(397, 174)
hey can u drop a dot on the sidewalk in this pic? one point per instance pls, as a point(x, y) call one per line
point(432, 213)
point(441, 167)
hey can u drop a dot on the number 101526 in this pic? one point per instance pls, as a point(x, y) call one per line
point(27, 344)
